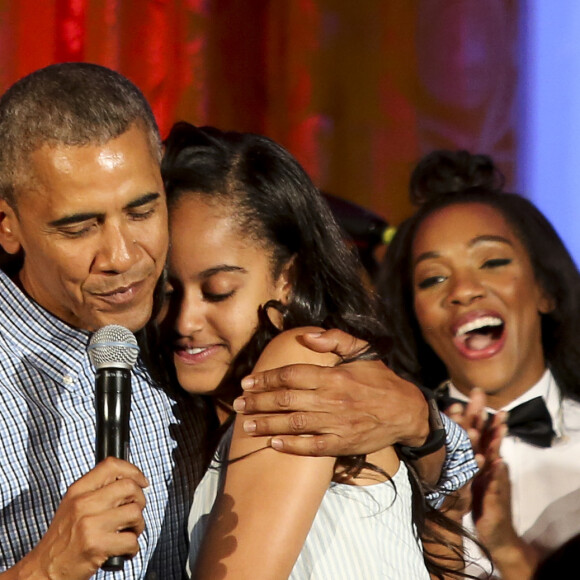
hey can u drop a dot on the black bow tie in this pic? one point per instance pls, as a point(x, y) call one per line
point(529, 421)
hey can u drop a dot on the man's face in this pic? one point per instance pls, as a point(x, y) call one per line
point(93, 227)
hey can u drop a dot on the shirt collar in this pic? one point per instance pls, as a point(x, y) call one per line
point(546, 388)
point(44, 340)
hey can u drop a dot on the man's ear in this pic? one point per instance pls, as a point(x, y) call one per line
point(8, 228)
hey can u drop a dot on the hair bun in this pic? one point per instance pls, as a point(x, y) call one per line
point(443, 172)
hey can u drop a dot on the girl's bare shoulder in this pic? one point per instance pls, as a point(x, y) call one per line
point(288, 347)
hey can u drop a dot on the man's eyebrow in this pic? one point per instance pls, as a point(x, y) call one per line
point(77, 218)
point(143, 200)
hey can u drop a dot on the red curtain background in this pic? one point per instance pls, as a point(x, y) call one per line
point(358, 91)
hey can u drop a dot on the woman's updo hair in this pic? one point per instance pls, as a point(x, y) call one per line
point(443, 172)
point(445, 178)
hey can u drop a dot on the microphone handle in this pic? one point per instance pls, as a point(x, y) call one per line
point(113, 407)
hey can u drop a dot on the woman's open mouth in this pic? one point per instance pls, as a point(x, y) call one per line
point(480, 337)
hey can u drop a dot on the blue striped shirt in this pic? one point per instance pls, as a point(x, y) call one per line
point(47, 428)
point(460, 465)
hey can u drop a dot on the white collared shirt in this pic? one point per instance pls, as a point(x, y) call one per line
point(545, 481)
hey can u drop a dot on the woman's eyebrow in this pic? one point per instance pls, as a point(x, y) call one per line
point(473, 242)
point(490, 238)
point(426, 256)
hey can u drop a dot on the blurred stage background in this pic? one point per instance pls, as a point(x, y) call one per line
point(357, 90)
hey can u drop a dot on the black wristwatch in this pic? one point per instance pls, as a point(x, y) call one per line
point(437, 435)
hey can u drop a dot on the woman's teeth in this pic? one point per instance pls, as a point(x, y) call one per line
point(478, 324)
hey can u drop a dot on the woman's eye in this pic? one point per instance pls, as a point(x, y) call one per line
point(496, 262)
point(430, 281)
point(217, 297)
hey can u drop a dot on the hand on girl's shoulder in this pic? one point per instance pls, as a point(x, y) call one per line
point(289, 348)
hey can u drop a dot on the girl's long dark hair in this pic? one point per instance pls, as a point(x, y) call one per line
point(275, 203)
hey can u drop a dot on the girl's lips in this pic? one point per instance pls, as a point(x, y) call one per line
point(479, 334)
point(194, 355)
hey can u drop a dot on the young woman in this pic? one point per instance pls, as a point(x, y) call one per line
point(268, 257)
point(485, 301)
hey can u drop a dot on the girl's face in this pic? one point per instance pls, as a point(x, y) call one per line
point(477, 301)
point(218, 279)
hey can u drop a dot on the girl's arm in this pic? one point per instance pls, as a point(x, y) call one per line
point(262, 517)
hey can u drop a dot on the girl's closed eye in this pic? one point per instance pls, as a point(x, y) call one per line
point(220, 286)
point(217, 296)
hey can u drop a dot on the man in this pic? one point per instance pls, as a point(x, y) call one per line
point(84, 222)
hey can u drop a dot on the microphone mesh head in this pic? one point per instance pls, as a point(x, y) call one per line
point(113, 346)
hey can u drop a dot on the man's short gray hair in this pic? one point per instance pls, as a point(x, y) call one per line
point(71, 103)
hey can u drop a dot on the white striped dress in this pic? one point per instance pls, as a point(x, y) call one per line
point(358, 532)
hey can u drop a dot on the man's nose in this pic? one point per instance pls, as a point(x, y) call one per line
point(118, 250)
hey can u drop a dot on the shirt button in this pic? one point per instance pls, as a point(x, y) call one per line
point(67, 380)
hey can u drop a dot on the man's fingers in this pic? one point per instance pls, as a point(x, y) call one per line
point(122, 523)
point(304, 376)
point(298, 376)
point(107, 471)
point(301, 378)
point(313, 433)
point(315, 446)
point(116, 506)
point(121, 492)
point(125, 544)
point(285, 400)
point(128, 517)
point(336, 341)
point(291, 424)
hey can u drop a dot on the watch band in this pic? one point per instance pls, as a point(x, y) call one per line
point(437, 434)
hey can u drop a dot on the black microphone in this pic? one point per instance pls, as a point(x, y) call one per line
point(113, 351)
